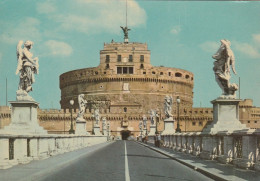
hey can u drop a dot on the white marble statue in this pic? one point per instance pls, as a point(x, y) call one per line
point(168, 106)
point(97, 117)
point(27, 66)
point(82, 107)
point(140, 125)
point(104, 122)
point(153, 116)
point(224, 59)
point(144, 121)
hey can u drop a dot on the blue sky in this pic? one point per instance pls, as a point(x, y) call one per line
point(69, 34)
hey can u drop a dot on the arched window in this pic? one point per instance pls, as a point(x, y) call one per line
point(178, 74)
point(125, 109)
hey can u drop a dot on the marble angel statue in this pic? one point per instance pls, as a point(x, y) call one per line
point(104, 123)
point(27, 66)
point(224, 60)
point(82, 107)
point(144, 121)
point(97, 117)
point(168, 106)
point(153, 116)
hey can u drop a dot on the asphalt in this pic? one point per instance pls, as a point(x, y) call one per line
point(209, 168)
point(120, 160)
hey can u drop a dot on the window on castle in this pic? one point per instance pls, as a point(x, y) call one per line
point(141, 66)
point(119, 70)
point(153, 72)
point(161, 73)
point(248, 121)
point(131, 70)
point(125, 109)
point(130, 58)
point(107, 66)
point(141, 58)
point(124, 70)
point(169, 73)
point(107, 58)
point(178, 74)
point(200, 123)
point(119, 58)
point(144, 72)
point(193, 123)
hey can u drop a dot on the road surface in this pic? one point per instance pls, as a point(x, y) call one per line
point(123, 161)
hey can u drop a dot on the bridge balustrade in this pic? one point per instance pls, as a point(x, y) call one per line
point(21, 149)
point(242, 149)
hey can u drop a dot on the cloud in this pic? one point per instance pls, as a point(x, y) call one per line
point(247, 49)
point(89, 16)
point(45, 8)
point(24, 30)
point(256, 38)
point(176, 30)
point(210, 46)
point(58, 48)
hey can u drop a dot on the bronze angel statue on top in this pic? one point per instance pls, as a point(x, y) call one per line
point(27, 66)
point(224, 60)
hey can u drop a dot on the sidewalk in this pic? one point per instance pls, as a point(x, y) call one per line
point(210, 168)
point(36, 169)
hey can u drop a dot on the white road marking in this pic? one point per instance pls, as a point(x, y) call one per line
point(127, 176)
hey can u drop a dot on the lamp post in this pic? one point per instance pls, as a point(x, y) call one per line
point(145, 123)
point(71, 131)
point(141, 130)
point(156, 123)
point(178, 129)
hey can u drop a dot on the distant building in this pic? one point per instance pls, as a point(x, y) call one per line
point(125, 86)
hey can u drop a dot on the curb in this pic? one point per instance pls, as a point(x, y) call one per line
point(200, 170)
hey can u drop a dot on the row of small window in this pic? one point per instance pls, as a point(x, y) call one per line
point(249, 121)
point(194, 123)
point(125, 70)
point(130, 58)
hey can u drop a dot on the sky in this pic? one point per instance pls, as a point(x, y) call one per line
point(68, 35)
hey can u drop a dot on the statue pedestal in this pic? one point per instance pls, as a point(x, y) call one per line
point(225, 117)
point(168, 126)
point(96, 130)
point(81, 128)
point(145, 131)
point(24, 119)
point(152, 130)
point(104, 131)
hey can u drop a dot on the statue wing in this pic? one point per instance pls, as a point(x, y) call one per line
point(19, 52)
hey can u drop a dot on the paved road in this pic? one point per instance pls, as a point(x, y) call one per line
point(123, 161)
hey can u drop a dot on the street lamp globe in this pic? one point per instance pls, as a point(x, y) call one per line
point(71, 102)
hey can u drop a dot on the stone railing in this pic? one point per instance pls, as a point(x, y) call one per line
point(21, 149)
point(240, 148)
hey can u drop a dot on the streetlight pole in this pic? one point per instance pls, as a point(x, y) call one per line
point(178, 129)
point(71, 131)
point(156, 123)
